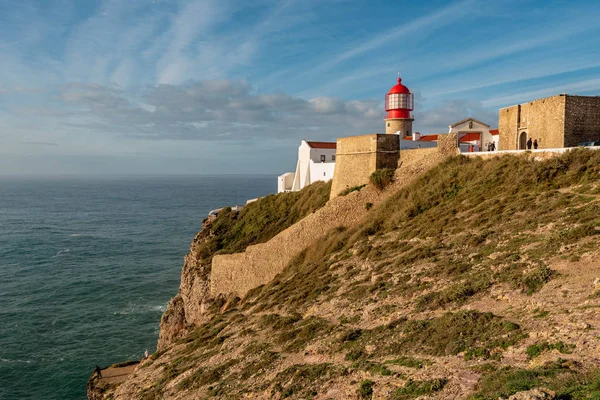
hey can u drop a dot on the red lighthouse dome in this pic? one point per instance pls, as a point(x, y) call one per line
point(399, 101)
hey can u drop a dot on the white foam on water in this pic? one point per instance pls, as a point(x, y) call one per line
point(15, 361)
point(140, 309)
point(61, 252)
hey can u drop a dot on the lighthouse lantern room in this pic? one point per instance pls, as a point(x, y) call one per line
point(399, 102)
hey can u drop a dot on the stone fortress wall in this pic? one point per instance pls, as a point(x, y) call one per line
point(582, 119)
point(259, 264)
point(556, 122)
point(357, 157)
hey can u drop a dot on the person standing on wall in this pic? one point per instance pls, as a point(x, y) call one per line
point(535, 144)
point(529, 143)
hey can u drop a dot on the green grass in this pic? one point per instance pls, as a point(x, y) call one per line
point(568, 383)
point(432, 246)
point(407, 361)
point(259, 221)
point(365, 390)
point(413, 389)
point(382, 178)
point(303, 379)
point(349, 190)
point(461, 212)
point(477, 335)
point(536, 349)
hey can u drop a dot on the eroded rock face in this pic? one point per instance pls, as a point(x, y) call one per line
point(191, 304)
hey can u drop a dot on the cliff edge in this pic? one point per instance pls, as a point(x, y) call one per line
point(466, 278)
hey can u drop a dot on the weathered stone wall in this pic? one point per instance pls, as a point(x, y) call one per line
point(413, 155)
point(582, 119)
point(393, 125)
point(240, 272)
point(507, 126)
point(542, 119)
point(358, 156)
point(447, 145)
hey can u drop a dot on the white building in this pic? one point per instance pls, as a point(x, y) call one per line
point(474, 135)
point(285, 182)
point(418, 141)
point(316, 162)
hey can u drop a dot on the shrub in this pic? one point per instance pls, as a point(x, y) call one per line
point(349, 190)
point(368, 206)
point(365, 390)
point(556, 376)
point(536, 349)
point(382, 178)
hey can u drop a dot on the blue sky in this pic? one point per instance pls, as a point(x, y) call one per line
point(227, 86)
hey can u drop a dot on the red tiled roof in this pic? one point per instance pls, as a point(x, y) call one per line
point(424, 138)
point(494, 132)
point(469, 137)
point(428, 138)
point(322, 145)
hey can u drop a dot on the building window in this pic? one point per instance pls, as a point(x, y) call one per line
point(388, 124)
point(323, 158)
point(333, 157)
point(324, 174)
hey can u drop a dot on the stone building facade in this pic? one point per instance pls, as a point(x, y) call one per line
point(556, 122)
point(357, 157)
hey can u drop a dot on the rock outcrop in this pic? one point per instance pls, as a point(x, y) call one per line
point(534, 394)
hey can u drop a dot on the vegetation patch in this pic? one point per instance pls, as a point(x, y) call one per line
point(205, 376)
point(303, 379)
point(478, 335)
point(299, 335)
point(536, 349)
point(413, 389)
point(559, 376)
point(349, 190)
point(409, 362)
point(381, 178)
point(365, 390)
point(259, 221)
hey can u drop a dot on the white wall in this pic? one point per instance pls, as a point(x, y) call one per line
point(285, 182)
point(321, 171)
point(307, 170)
point(486, 136)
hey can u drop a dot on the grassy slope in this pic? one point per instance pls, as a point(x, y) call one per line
point(258, 222)
point(381, 306)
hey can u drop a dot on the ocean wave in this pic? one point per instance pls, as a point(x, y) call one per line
point(61, 252)
point(5, 360)
point(141, 309)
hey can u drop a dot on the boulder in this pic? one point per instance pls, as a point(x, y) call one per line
point(534, 394)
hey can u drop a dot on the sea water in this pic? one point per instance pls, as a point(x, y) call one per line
point(87, 267)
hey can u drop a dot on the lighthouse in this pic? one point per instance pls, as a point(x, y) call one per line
point(399, 102)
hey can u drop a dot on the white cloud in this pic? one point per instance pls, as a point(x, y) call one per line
point(214, 110)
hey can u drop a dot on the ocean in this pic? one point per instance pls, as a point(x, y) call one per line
point(87, 267)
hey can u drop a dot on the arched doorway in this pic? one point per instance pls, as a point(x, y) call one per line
point(523, 141)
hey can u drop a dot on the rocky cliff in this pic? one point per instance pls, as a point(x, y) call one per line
point(477, 279)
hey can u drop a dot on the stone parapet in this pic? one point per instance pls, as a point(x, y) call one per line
point(357, 157)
